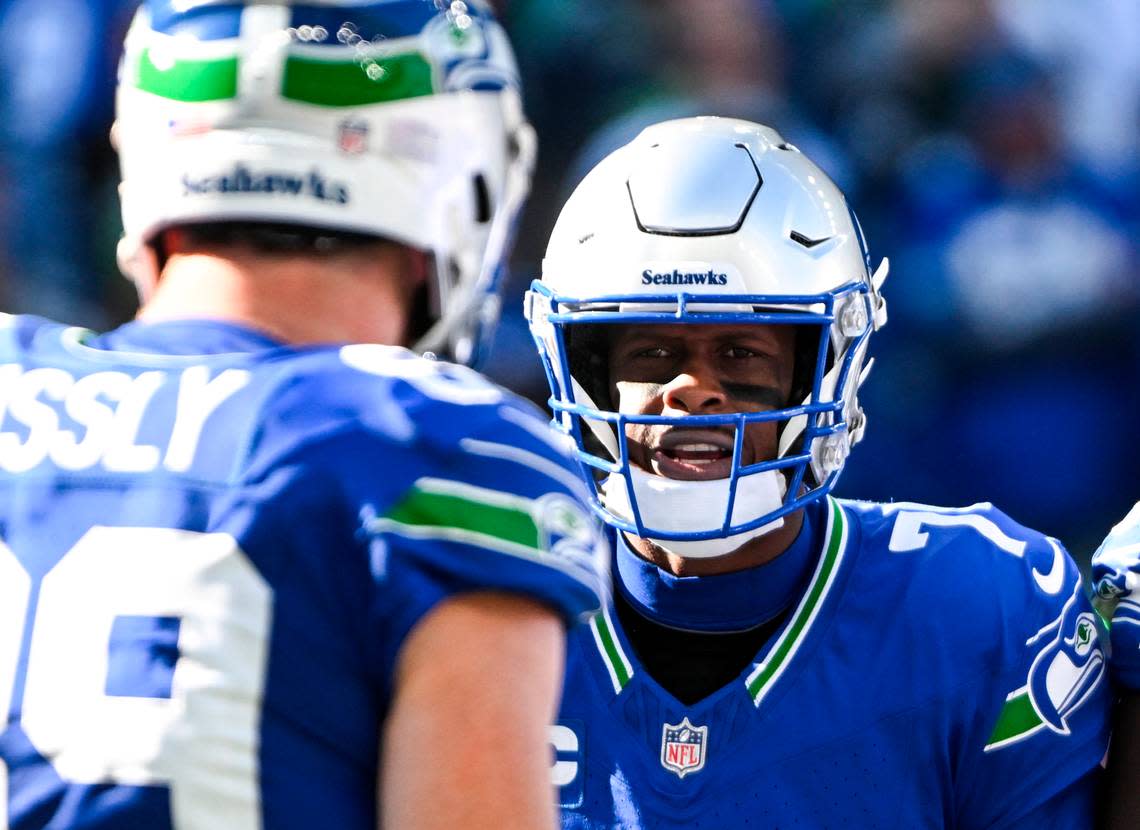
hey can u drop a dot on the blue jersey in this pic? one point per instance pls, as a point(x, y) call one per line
point(941, 669)
point(212, 547)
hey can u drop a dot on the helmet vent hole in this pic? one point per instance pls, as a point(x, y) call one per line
point(482, 199)
point(790, 148)
point(806, 241)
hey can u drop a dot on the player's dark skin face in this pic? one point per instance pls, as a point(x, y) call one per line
point(676, 371)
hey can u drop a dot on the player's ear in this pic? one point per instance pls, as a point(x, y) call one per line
point(420, 308)
point(143, 267)
point(417, 266)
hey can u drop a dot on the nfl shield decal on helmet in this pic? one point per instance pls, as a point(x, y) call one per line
point(352, 137)
point(683, 747)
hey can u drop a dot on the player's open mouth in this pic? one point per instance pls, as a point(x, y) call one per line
point(692, 454)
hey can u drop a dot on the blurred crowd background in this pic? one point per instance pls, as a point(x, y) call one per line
point(990, 148)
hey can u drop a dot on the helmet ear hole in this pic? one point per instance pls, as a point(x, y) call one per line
point(483, 212)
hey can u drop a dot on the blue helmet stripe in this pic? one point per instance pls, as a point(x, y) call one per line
point(862, 239)
point(393, 19)
point(213, 22)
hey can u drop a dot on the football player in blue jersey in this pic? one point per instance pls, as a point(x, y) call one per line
point(1116, 575)
point(773, 656)
point(252, 577)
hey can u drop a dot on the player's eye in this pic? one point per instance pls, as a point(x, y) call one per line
point(738, 352)
point(654, 352)
point(645, 350)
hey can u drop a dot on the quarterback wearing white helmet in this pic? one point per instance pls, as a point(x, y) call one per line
point(773, 655)
point(692, 243)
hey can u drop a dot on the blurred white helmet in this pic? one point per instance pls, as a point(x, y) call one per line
point(399, 119)
point(708, 220)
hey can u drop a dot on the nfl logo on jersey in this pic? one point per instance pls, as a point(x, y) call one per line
point(683, 747)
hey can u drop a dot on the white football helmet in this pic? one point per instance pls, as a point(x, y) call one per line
point(708, 220)
point(399, 119)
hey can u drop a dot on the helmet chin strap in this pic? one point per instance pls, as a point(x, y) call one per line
point(675, 506)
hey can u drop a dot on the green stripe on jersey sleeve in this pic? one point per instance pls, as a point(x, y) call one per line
point(462, 508)
point(457, 512)
point(553, 530)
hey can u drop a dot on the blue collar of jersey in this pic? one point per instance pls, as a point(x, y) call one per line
point(726, 602)
point(184, 337)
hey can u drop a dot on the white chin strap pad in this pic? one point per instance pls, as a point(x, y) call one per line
point(672, 506)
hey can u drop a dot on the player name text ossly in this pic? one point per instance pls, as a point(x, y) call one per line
point(76, 423)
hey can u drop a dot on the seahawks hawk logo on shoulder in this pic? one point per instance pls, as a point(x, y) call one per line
point(1066, 670)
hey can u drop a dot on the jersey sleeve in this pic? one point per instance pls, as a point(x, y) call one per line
point(480, 494)
point(429, 481)
point(1037, 734)
point(504, 509)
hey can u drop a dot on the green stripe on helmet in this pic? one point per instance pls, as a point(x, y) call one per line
point(189, 81)
point(353, 84)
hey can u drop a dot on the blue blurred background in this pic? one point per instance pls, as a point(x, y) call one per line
point(990, 148)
